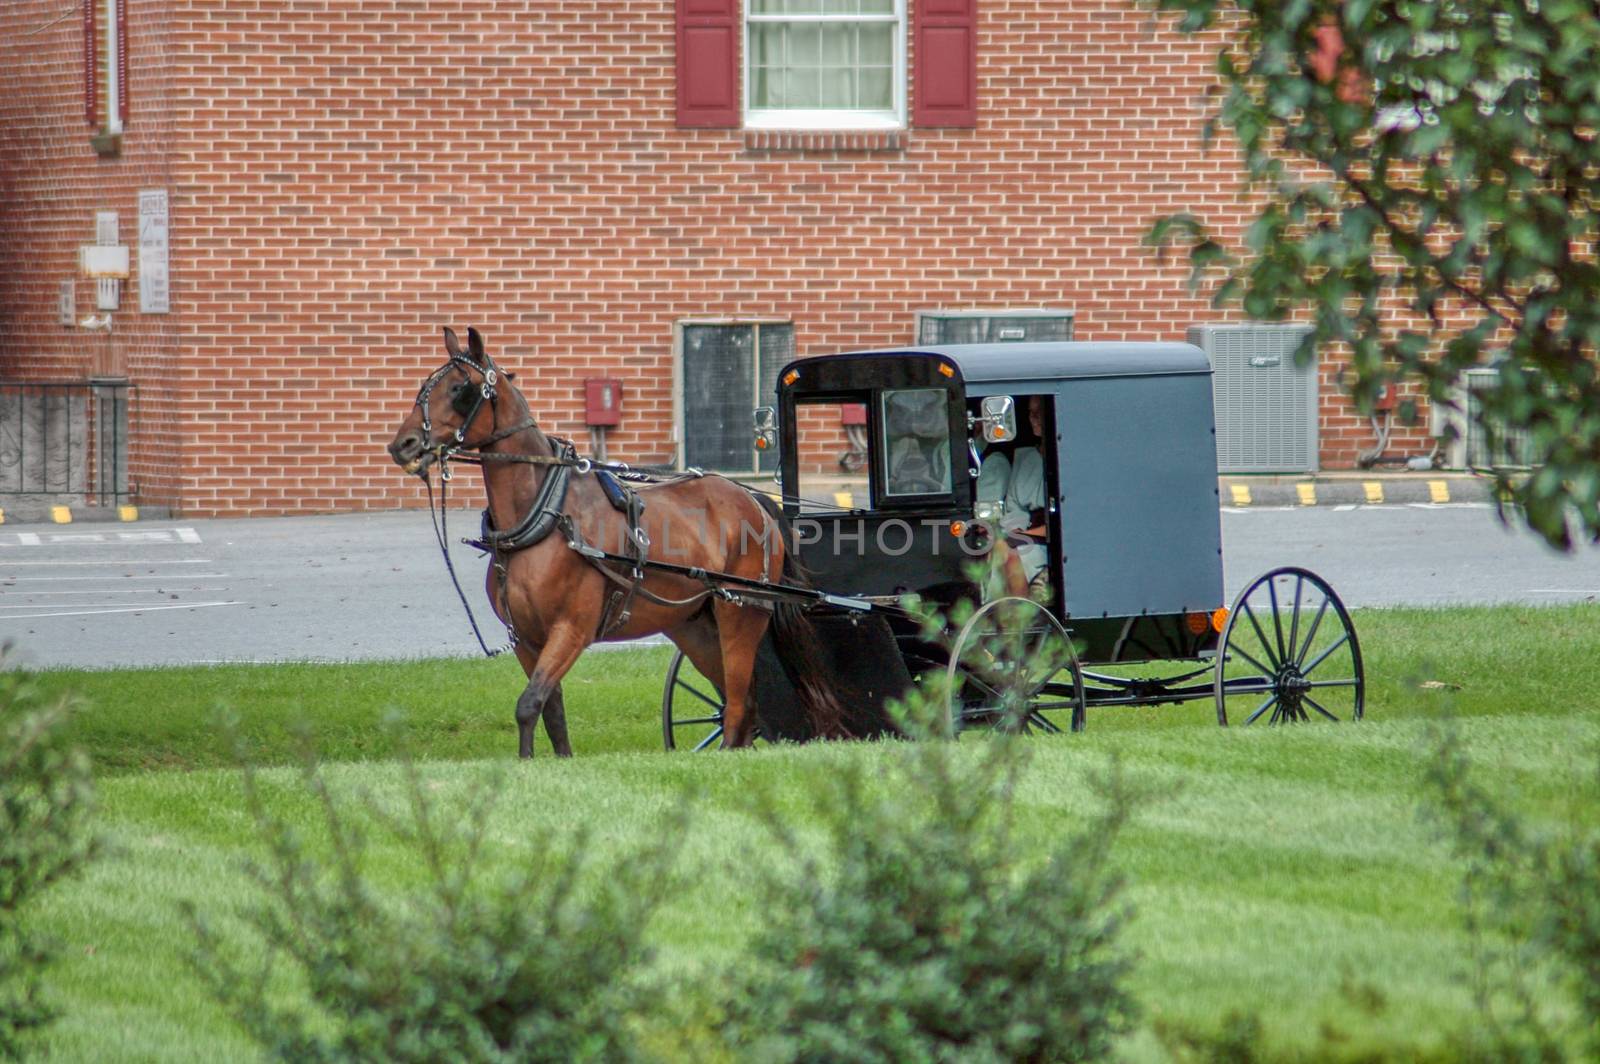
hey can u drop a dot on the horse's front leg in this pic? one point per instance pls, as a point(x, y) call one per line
point(545, 667)
point(555, 723)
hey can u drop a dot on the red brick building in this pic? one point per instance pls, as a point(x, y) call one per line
point(580, 179)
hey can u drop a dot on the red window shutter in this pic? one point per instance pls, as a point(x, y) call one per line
point(945, 77)
point(708, 63)
point(91, 64)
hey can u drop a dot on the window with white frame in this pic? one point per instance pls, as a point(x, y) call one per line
point(825, 64)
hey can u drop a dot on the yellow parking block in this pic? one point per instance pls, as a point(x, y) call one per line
point(1307, 493)
point(1439, 490)
point(127, 513)
point(1241, 494)
point(844, 500)
point(61, 515)
point(1374, 490)
point(2, 517)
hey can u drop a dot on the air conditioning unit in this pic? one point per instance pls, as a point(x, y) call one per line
point(992, 326)
point(1266, 405)
point(1460, 430)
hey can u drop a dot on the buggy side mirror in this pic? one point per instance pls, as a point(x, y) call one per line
point(999, 419)
point(766, 423)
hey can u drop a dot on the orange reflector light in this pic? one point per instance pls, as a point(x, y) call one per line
point(792, 376)
point(957, 527)
point(761, 444)
point(1197, 623)
point(947, 369)
point(1219, 617)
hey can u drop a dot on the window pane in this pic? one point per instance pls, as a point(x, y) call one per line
point(802, 89)
point(828, 458)
point(877, 44)
point(718, 391)
point(875, 89)
point(838, 88)
point(835, 45)
point(916, 441)
point(877, 7)
point(805, 45)
point(761, 88)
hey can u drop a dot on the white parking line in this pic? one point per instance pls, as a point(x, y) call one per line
point(95, 539)
point(118, 591)
point(125, 609)
point(120, 561)
point(129, 576)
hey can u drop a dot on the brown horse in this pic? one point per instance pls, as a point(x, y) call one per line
point(555, 599)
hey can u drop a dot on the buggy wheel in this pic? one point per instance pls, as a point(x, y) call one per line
point(691, 708)
point(1012, 666)
point(1288, 653)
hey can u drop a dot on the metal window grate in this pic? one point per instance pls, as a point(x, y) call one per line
point(65, 440)
point(1266, 405)
point(728, 371)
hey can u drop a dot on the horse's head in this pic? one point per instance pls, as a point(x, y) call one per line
point(454, 408)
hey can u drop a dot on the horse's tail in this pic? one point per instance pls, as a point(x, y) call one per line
point(795, 639)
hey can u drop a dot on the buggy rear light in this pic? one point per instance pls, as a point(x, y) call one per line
point(1197, 623)
point(957, 528)
point(1219, 618)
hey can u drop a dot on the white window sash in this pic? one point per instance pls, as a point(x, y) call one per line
point(831, 118)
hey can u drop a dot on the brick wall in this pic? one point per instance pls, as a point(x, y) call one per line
point(348, 178)
point(51, 185)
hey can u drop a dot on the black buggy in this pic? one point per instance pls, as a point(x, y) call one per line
point(1126, 608)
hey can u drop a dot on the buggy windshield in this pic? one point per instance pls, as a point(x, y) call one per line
point(916, 441)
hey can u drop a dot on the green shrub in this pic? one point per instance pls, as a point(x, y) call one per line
point(46, 796)
point(1531, 901)
point(480, 965)
point(918, 930)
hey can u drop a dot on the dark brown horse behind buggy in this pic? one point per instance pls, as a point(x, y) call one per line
point(580, 556)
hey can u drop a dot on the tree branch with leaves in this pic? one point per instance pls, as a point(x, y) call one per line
point(1427, 182)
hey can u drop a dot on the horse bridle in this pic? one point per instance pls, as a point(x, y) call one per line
point(467, 402)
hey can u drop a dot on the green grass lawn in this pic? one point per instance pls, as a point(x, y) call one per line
point(1291, 865)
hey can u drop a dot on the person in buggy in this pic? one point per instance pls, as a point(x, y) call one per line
point(1017, 485)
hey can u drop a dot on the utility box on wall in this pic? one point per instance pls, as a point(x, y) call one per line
point(1266, 405)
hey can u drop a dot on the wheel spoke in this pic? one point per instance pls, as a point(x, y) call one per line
point(692, 689)
point(1265, 644)
point(1342, 640)
point(689, 722)
point(1277, 618)
point(1042, 724)
point(1335, 683)
point(1266, 670)
point(1294, 623)
point(1272, 700)
point(1311, 635)
point(716, 734)
point(1314, 704)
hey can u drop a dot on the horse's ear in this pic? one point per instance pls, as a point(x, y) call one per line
point(451, 344)
point(474, 344)
point(508, 375)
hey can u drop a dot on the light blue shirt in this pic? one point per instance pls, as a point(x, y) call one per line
point(1018, 485)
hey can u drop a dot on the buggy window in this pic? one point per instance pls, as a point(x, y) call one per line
point(916, 442)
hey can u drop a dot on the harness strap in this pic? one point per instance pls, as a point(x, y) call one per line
point(540, 519)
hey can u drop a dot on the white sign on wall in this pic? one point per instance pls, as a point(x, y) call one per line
point(153, 289)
